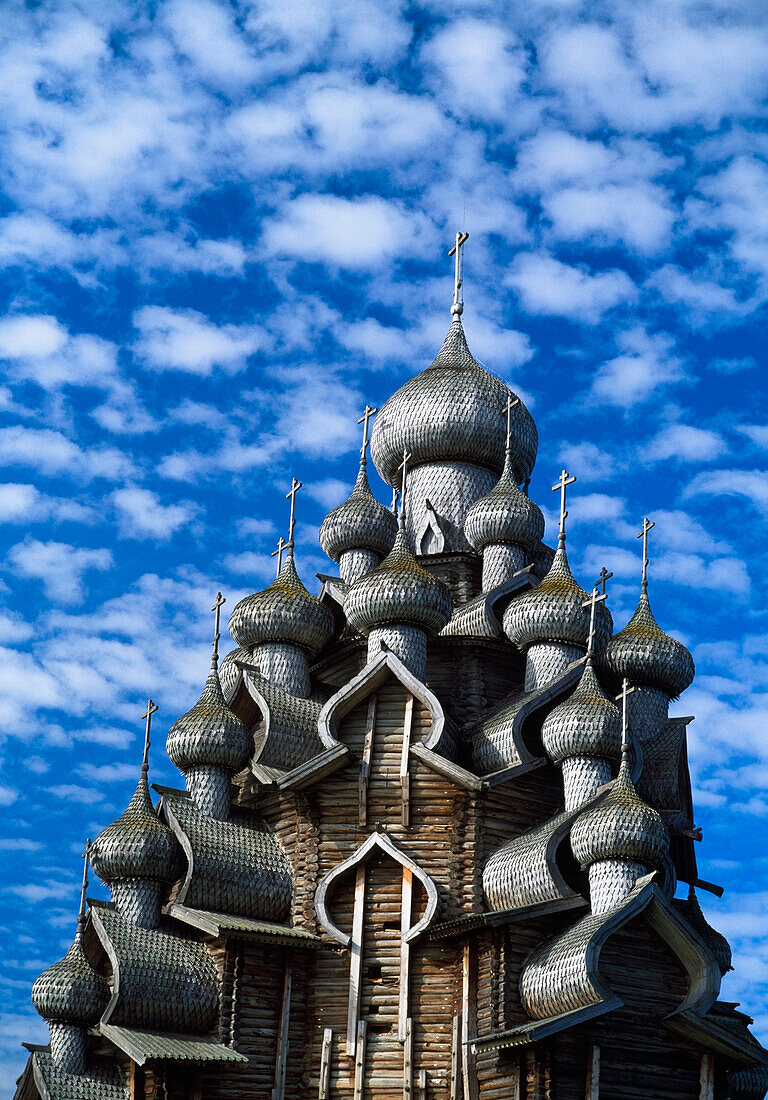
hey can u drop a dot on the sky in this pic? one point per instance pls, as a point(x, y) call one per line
point(224, 229)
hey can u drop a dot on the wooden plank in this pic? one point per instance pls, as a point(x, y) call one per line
point(456, 1059)
point(707, 1077)
point(408, 1061)
point(324, 1089)
point(362, 1031)
point(356, 962)
point(593, 1074)
point(468, 1020)
point(365, 766)
point(405, 952)
point(278, 1092)
point(405, 781)
point(422, 1084)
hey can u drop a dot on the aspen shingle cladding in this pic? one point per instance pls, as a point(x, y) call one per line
point(237, 866)
point(102, 1081)
point(286, 735)
point(145, 1046)
point(164, 978)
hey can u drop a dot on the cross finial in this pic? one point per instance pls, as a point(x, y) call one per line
point(604, 577)
point(295, 486)
point(217, 606)
point(592, 603)
point(511, 402)
point(404, 467)
point(458, 298)
point(624, 694)
point(369, 412)
point(84, 886)
point(643, 534)
point(281, 545)
point(151, 708)
point(395, 497)
point(563, 482)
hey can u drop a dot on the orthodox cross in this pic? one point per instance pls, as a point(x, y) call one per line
point(151, 708)
point(511, 402)
point(601, 580)
point(592, 603)
point(281, 545)
point(395, 495)
point(369, 412)
point(295, 486)
point(643, 534)
point(404, 467)
point(563, 482)
point(217, 606)
point(458, 298)
point(84, 887)
point(626, 691)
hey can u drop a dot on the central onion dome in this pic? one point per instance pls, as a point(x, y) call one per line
point(71, 991)
point(138, 845)
point(210, 733)
point(454, 411)
point(644, 654)
point(399, 590)
point(505, 515)
point(283, 612)
point(553, 611)
point(621, 827)
point(586, 724)
point(360, 523)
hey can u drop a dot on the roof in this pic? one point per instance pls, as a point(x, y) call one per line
point(290, 734)
point(101, 1080)
point(480, 617)
point(157, 1046)
point(222, 924)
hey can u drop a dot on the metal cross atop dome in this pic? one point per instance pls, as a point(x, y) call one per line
point(562, 483)
point(281, 545)
point(458, 298)
point(404, 467)
point(295, 486)
point(364, 420)
point(595, 598)
point(643, 534)
point(623, 695)
point(151, 708)
point(604, 577)
point(511, 402)
point(217, 606)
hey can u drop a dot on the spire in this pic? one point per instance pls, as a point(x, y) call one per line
point(458, 297)
point(364, 419)
point(562, 483)
point(84, 887)
point(404, 467)
point(217, 606)
point(295, 486)
point(643, 534)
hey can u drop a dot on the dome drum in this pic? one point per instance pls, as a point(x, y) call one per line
point(408, 643)
point(356, 563)
point(209, 787)
point(139, 900)
point(583, 776)
point(647, 712)
point(68, 1047)
point(546, 661)
point(610, 881)
point(451, 489)
point(286, 666)
point(500, 562)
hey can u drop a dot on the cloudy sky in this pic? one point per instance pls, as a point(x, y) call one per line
point(223, 230)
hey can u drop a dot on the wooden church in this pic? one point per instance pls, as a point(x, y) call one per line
point(433, 827)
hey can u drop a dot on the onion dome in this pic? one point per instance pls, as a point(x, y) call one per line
point(210, 733)
point(505, 515)
point(283, 612)
point(554, 612)
point(644, 654)
point(718, 945)
point(622, 826)
point(138, 844)
point(454, 411)
point(586, 724)
point(228, 670)
point(71, 991)
point(398, 590)
point(360, 523)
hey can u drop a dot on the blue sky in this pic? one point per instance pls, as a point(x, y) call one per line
point(223, 230)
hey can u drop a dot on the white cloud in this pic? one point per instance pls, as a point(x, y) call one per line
point(547, 286)
point(590, 462)
point(20, 503)
point(108, 773)
point(476, 68)
point(702, 298)
point(50, 452)
point(141, 515)
point(645, 364)
point(7, 795)
point(638, 216)
point(684, 443)
point(750, 484)
point(59, 567)
point(185, 340)
point(207, 35)
point(179, 252)
point(75, 792)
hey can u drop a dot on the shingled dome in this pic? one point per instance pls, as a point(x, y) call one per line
point(586, 724)
point(643, 654)
point(138, 844)
point(454, 411)
point(210, 733)
point(360, 523)
point(283, 612)
point(505, 515)
point(71, 991)
point(554, 612)
point(399, 590)
point(620, 827)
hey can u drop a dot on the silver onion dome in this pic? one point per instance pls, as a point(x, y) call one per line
point(645, 655)
point(588, 723)
point(398, 590)
point(210, 733)
point(621, 827)
point(360, 523)
point(138, 844)
point(554, 611)
point(505, 515)
point(454, 411)
point(71, 991)
point(283, 612)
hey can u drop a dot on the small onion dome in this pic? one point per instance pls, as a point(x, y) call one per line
point(71, 991)
point(283, 612)
point(586, 724)
point(138, 844)
point(228, 670)
point(360, 523)
point(210, 733)
point(505, 515)
point(718, 945)
point(553, 611)
point(645, 655)
point(454, 411)
point(398, 590)
point(622, 826)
